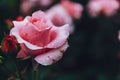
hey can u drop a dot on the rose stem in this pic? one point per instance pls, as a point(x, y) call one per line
point(8, 70)
point(35, 75)
point(35, 70)
point(17, 69)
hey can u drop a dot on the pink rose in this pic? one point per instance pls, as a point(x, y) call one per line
point(65, 13)
point(28, 6)
point(59, 16)
point(74, 9)
point(119, 35)
point(40, 39)
point(45, 2)
point(106, 7)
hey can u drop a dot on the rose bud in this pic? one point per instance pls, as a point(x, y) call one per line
point(39, 38)
point(9, 44)
point(9, 23)
point(19, 18)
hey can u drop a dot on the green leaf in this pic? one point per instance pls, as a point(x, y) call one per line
point(1, 59)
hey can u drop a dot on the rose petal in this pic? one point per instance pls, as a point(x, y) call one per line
point(23, 52)
point(49, 57)
point(40, 21)
point(64, 47)
point(21, 23)
point(38, 14)
point(62, 34)
point(15, 33)
point(36, 30)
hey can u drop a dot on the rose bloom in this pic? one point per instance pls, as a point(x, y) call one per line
point(45, 3)
point(74, 9)
point(106, 7)
point(64, 13)
point(40, 39)
point(27, 6)
point(119, 35)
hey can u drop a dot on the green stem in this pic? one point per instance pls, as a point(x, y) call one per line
point(18, 70)
point(35, 70)
point(35, 75)
point(8, 70)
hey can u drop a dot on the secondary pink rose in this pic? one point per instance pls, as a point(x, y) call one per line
point(106, 7)
point(74, 9)
point(64, 13)
point(28, 6)
point(45, 2)
point(119, 35)
point(40, 39)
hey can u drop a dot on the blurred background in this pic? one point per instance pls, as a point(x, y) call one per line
point(93, 54)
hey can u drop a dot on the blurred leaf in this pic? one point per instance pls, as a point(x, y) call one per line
point(16, 79)
point(102, 77)
point(1, 59)
point(73, 76)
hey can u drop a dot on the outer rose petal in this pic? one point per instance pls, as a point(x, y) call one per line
point(49, 57)
point(21, 23)
point(62, 34)
point(23, 52)
point(64, 47)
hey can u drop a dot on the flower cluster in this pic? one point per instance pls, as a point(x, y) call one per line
point(44, 35)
